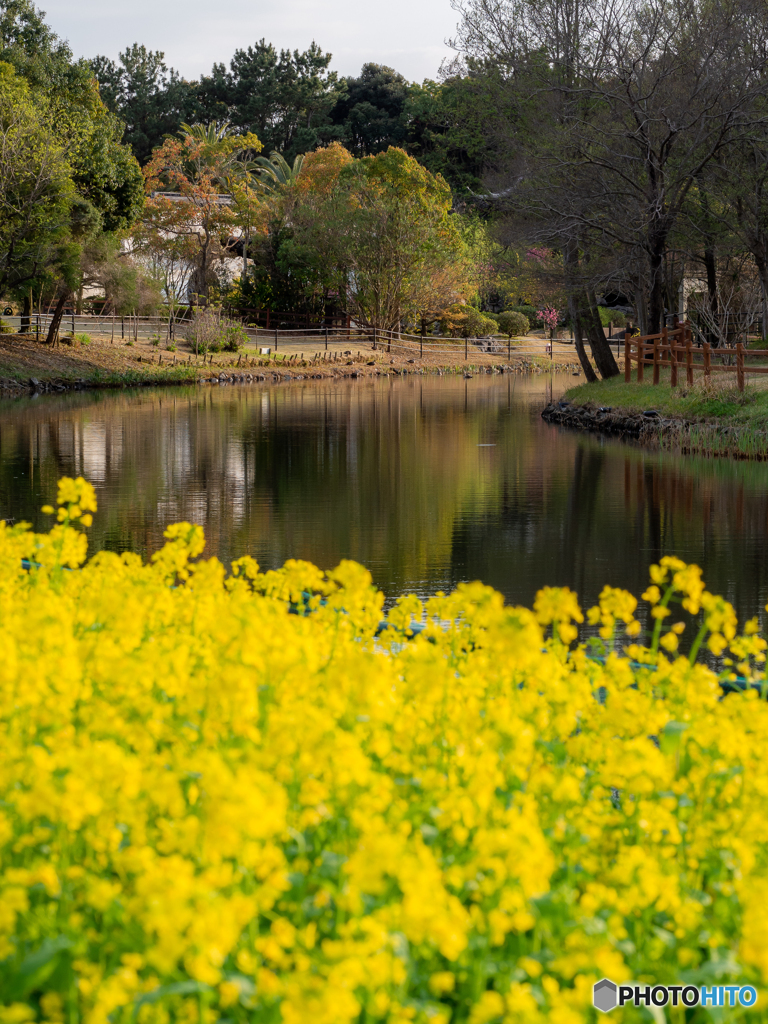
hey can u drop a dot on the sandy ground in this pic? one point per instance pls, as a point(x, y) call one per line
point(24, 361)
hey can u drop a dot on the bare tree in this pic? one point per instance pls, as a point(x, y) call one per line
point(630, 101)
point(739, 300)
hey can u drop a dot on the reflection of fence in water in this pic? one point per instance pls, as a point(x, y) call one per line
point(674, 350)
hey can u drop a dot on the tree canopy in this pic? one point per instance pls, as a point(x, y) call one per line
point(67, 176)
point(371, 236)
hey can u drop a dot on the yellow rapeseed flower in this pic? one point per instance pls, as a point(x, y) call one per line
point(226, 796)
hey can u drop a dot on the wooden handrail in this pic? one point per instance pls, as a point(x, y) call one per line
point(671, 347)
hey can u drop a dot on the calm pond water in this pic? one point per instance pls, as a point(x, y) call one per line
point(427, 481)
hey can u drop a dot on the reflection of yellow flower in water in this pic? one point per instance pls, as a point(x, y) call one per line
point(223, 795)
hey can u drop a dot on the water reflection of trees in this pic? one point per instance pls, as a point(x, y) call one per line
point(390, 473)
point(620, 510)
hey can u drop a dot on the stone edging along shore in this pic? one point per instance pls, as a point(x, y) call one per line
point(30, 367)
point(616, 422)
point(681, 436)
point(15, 387)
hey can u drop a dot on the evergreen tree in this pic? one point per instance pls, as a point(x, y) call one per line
point(148, 96)
point(372, 115)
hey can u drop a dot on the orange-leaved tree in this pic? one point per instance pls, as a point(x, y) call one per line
point(190, 213)
point(379, 231)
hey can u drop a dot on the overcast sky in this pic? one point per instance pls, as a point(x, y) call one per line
point(407, 35)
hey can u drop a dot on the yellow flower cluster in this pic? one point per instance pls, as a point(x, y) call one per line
point(224, 798)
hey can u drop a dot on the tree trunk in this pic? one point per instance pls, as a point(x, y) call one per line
point(601, 347)
point(656, 304)
point(762, 269)
point(578, 337)
point(711, 269)
point(575, 303)
point(58, 313)
point(26, 315)
point(641, 306)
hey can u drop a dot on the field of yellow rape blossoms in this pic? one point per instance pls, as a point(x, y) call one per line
point(212, 809)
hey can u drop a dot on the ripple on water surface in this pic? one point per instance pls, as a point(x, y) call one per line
point(428, 481)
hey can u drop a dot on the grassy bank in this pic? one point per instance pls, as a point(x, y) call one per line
point(709, 418)
point(26, 364)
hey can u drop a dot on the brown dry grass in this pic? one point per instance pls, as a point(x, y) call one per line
point(105, 362)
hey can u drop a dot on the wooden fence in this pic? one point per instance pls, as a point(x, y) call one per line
point(674, 348)
point(162, 329)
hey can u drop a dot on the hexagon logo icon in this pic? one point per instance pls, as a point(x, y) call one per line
point(604, 995)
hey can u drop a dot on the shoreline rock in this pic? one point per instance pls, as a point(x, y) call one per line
point(12, 388)
point(614, 422)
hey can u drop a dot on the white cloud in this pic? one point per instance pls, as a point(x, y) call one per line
point(405, 34)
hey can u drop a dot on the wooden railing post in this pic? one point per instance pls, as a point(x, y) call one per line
point(667, 341)
point(640, 360)
point(688, 358)
point(673, 362)
point(655, 360)
point(627, 358)
point(740, 365)
point(707, 357)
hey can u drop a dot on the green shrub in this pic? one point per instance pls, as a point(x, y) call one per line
point(477, 324)
point(467, 322)
point(529, 312)
point(611, 316)
point(513, 324)
point(212, 332)
point(6, 328)
point(233, 335)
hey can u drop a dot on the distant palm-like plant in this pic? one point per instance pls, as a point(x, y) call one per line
point(211, 134)
point(220, 142)
point(275, 172)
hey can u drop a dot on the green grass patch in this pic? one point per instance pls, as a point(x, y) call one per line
point(713, 417)
point(131, 377)
point(719, 400)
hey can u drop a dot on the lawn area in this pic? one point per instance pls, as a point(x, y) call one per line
point(711, 417)
point(718, 400)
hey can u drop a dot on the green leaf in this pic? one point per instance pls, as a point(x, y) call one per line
point(34, 970)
